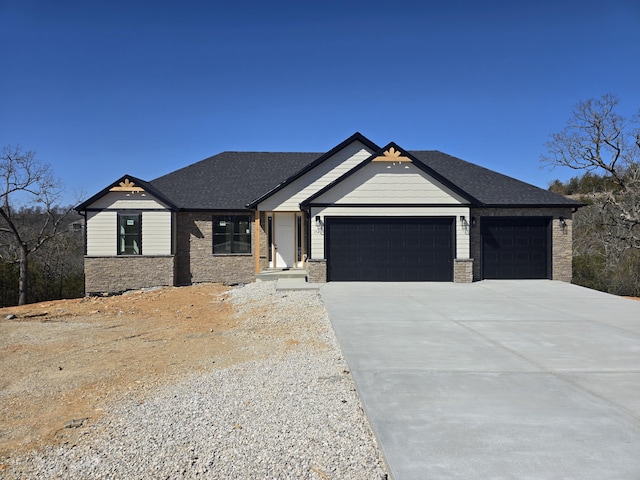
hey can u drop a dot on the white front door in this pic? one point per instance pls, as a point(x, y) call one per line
point(284, 242)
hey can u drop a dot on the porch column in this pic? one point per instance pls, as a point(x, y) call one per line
point(256, 241)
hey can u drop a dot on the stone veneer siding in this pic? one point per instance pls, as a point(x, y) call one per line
point(131, 272)
point(196, 262)
point(463, 270)
point(316, 271)
point(561, 237)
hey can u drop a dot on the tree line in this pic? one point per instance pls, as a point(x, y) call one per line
point(604, 147)
point(41, 250)
point(55, 271)
point(41, 243)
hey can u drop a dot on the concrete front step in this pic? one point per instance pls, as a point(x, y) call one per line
point(296, 284)
point(272, 275)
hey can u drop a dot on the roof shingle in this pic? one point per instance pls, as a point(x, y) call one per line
point(488, 187)
point(230, 180)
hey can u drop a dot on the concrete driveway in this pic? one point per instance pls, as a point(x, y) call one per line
point(495, 379)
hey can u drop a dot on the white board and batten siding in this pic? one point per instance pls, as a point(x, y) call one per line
point(289, 198)
point(102, 233)
point(156, 233)
point(102, 224)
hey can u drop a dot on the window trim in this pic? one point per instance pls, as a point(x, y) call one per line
point(119, 235)
point(234, 218)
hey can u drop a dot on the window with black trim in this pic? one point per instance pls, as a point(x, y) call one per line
point(129, 234)
point(231, 234)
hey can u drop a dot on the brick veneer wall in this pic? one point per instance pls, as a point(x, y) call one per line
point(196, 262)
point(561, 237)
point(119, 274)
point(316, 271)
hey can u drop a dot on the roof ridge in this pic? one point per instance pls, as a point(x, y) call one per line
point(268, 152)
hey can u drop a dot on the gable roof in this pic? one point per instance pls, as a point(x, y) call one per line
point(241, 180)
point(146, 186)
point(229, 180)
point(356, 137)
point(480, 186)
point(393, 147)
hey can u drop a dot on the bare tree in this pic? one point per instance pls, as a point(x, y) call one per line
point(26, 184)
point(598, 141)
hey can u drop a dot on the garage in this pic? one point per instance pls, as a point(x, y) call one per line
point(383, 249)
point(516, 247)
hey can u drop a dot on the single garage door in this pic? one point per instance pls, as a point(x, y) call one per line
point(516, 248)
point(389, 249)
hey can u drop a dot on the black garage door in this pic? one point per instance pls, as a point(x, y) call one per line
point(389, 249)
point(516, 248)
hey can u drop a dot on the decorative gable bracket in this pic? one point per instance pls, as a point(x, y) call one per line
point(392, 155)
point(127, 186)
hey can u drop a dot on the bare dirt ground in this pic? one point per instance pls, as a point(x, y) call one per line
point(62, 362)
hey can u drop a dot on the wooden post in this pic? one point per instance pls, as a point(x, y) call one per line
point(256, 236)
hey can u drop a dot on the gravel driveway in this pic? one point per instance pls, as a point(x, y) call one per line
point(292, 414)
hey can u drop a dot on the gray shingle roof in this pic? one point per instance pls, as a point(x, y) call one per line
point(230, 180)
point(487, 187)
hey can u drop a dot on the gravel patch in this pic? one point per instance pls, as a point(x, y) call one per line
point(291, 412)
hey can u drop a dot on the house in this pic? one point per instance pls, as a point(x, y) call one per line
point(355, 213)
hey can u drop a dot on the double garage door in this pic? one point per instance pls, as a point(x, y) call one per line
point(413, 249)
point(389, 249)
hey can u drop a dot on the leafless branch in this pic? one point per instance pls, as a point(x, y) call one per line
point(27, 183)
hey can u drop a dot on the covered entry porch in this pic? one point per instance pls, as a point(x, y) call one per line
point(284, 246)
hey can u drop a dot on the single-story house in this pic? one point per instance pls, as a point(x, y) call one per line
point(358, 212)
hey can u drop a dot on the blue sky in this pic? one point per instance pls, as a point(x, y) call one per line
point(100, 89)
